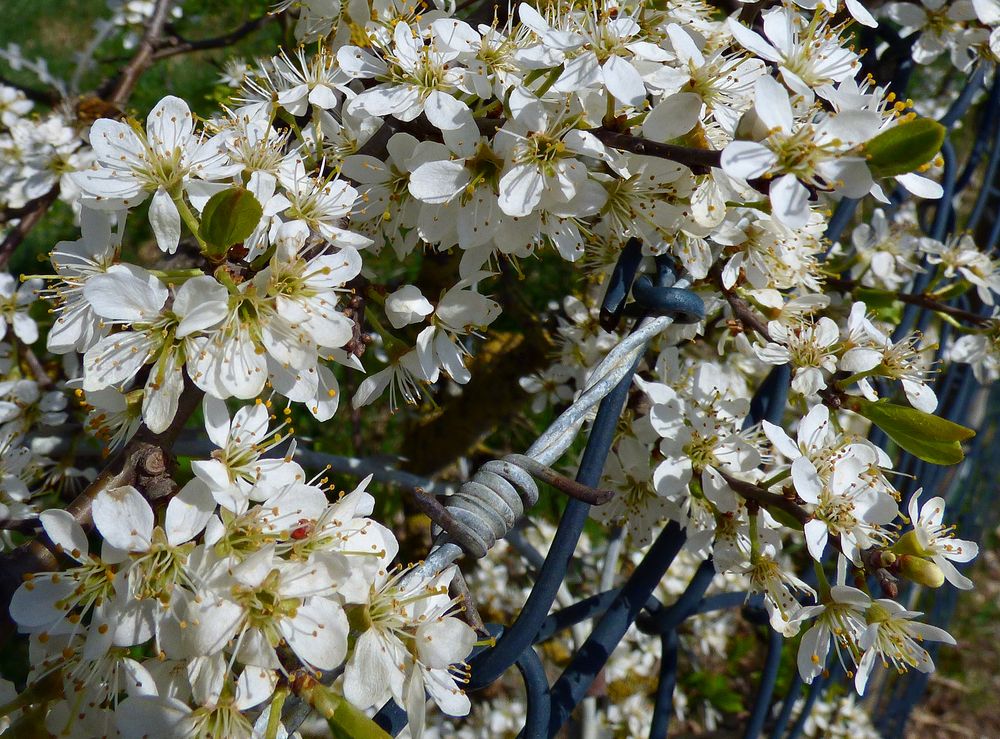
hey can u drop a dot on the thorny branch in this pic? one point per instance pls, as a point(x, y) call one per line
point(764, 497)
point(699, 160)
point(33, 213)
point(126, 81)
point(43, 97)
point(874, 561)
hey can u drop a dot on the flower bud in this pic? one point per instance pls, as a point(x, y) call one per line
point(921, 571)
point(908, 543)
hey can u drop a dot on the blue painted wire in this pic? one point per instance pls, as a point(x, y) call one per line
point(768, 678)
point(787, 705)
point(576, 679)
point(536, 688)
point(663, 706)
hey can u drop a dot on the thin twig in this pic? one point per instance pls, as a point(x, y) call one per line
point(567, 485)
point(741, 309)
point(921, 300)
point(21, 525)
point(699, 160)
point(28, 220)
point(37, 370)
point(766, 498)
point(431, 507)
point(460, 589)
point(129, 77)
point(175, 45)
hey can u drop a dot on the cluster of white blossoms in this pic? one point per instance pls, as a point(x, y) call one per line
point(264, 590)
point(964, 30)
point(37, 153)
point(291, 229)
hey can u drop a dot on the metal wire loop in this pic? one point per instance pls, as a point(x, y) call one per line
point(683, 305)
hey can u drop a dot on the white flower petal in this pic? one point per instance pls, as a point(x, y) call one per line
point(65, 532)
point(169, 126)
point(445, 112)
point(772, 104)
point(124, 518)
point(747, 159)
point(790, 200)
point(673, 116)
point(816, 533)
point(922, 187)
point(165, 221)
point(444, 642)
point(520, 190)
point(318, 633)
point(127, 295)
point(439, 182)
point(623, 81)
point(188, 512)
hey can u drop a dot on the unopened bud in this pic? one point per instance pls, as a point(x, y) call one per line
point(909, 544)
point(921, 571)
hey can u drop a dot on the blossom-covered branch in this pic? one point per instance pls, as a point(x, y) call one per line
point(339, 222)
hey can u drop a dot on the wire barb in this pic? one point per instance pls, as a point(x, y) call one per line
point(489, 505)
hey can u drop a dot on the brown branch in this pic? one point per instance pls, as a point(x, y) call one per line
point(875, 563)
point(459, 589)
point(918, 299)
point(741, 309)
point(32, 214)
point(766, 498)
point(12, 214)
point(34, 364)
point(926, 301)
point(21, 525)
point(129, 76)
point(699, 160)
point(176, 45)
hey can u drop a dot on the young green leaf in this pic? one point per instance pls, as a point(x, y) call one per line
point(229, 217)
point(875, 297)
point(924, 435)
point(904, 148)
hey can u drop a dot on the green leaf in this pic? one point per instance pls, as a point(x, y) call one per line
point(229, 217)
point(883, 303)
point(347, 722)
point(952, 291)
point(784, 518)
point(904, 148)
point(924, 435)
point(874, 297)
